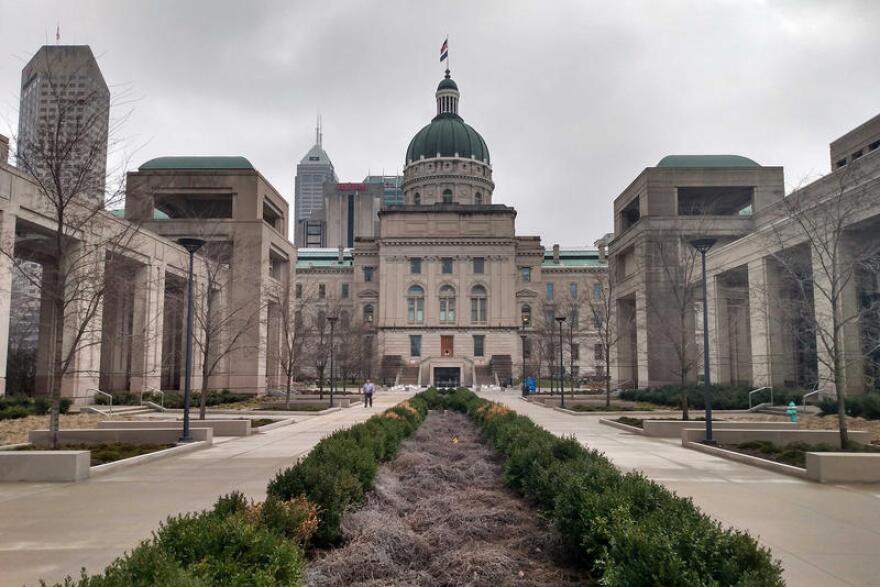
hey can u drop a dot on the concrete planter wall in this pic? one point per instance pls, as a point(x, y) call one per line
point(338, 402)
point(842, 467)
point(777, 437)
point(106, 436)
point(673, 428)
point(220, 427)
point(44, 465)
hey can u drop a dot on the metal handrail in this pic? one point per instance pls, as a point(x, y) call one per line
point(153, 390)
point(107, 395)
point(761, 389)
point(806, 395)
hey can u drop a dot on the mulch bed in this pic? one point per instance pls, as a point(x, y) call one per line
point(440, 515)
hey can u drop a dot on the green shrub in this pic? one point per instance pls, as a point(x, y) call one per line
point(175, 400)
point(20, 406)
point(724, 397)
point(858, 406)
point(629, 530)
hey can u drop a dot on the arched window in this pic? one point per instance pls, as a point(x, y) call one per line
point(526, 315)
point(369, 314)
point(478, 199)
point(417, 199)
point(478, 304)
point(415, 304)
point(447, 305)
point(447, 196)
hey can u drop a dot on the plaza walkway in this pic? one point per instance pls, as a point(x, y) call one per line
point(49, 530)
point(825, 535)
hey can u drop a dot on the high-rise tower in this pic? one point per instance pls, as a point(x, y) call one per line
point(312, 172)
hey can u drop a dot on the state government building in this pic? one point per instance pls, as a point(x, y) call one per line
point(444, 288)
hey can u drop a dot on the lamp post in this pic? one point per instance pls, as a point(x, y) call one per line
point(703, 245)
point(332, 320)
point(191, 245)
point(522, 336)
point(561, 319)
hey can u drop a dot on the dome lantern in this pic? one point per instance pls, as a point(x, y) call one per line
point(447, 96)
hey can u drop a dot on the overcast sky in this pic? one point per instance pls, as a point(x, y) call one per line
point(574, 98)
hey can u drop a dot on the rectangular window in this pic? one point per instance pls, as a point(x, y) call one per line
point(344, 290)
point(573, 290)
point(479, 345)
point(415, 265)
point(549, 291)
point(322, 291)
point(599, 352)
point(597, 291)
point(549, 319)
point(478, 309)
point(525, 273)
point(415, 345)
point(299, 291)
point(479, 265)
point(575, 352)
point(368, 273)
point(446, 265)
point(574, 319)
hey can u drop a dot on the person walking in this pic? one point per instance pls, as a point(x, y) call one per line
point(368, 389)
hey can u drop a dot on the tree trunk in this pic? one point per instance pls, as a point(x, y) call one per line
point(607, 387)
point(203, 398)
point(685, 409)
point(289, 383)
point(57, 360)
point(839, 384)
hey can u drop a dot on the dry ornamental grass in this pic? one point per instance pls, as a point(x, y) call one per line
point(440, 515)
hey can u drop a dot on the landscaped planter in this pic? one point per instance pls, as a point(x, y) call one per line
point(44, 465)
point(842, 467)
point(315, 404)
point(673, 428)
point(107, 436)
point(220, 427)
point(777, 437)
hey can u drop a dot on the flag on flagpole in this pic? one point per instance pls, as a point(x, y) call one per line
point(444, 50)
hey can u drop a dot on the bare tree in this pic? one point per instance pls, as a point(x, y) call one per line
point(66, 155)
point(294, 305)
point(826, 248)
point(601, 307)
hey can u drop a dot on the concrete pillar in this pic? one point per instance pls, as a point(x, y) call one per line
point(641, 325)
point(148, 318)
point(7, 244)
point(719, 335)
point(759, 324)
point(772, 340)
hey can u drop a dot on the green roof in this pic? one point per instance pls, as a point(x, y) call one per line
point(313, 258)
point(447, 84)
point(573, 258)
point(197, 163)
point(447, 136)
point(706, 161)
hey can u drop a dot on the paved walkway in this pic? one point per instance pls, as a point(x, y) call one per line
point(825, 535)
point(49, 530)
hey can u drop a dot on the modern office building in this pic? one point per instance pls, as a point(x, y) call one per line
point(312, 172)
point(392, 188)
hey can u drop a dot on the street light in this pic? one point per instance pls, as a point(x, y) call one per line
point(703, 245)
point(561, 319)
point(522, 336)
point(191, 245)
point(332, 320)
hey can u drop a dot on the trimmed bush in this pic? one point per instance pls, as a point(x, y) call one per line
point(858, 406)
point(20, 406)
point(174, 401)
point(341, 468)
point(724, 397)
point(628, 529)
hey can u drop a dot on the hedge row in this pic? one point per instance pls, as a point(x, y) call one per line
point(341, 468)
point(628, 529)
point(724, 397)
point(859, 406)
point(19, 406)
point(242, 543)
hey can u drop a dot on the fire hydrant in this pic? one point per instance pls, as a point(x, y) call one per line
point(791, 411)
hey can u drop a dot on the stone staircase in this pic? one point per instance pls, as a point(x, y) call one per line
point(483, 375)
point(502, 369)
point(409, 375)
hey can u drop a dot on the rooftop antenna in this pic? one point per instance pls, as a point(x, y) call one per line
point(318, 136)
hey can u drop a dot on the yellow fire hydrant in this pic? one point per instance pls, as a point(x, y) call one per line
point(791, 410)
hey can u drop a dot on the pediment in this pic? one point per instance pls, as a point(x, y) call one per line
point(368, 293)
point(526, 293)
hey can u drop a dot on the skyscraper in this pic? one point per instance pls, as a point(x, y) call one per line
point(65, 99)
point(391, 186)
point(313, 170)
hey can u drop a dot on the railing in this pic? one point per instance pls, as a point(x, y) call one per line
point(761, 389)
point(107, 395)
point(806, 395)
point(153, 390)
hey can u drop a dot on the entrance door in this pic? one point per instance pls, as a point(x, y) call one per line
point(446, 346)
point(447, 376)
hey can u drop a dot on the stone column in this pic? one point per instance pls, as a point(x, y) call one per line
point(7, 244)
point(759, 324)
point(641, 326)
point(719, 334)
point(148, 317)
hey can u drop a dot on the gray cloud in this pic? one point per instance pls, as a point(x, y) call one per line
point(574, 98)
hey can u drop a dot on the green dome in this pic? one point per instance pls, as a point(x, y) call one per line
point(447, 84)
point(447, 136)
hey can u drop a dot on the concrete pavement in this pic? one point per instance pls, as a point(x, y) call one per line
point(825, 535)
point(49, 530)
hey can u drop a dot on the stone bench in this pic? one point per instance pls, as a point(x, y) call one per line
point(220, 427)
point(673, 428)
point(843, 467)
point(778, 437)
point(111, 435)
point(44, 465)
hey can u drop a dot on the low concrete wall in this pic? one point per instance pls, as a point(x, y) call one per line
point(673, 428)
point(44, 465)
point(110, 435)
point(338, 402)
point(777, 437)
point(220, 427)
point(843, 467)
